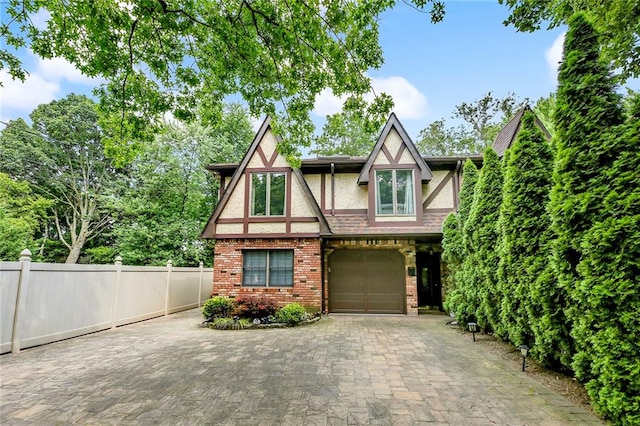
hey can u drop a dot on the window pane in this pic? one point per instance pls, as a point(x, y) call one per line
point(281, 268)
point(384, 188)
point(405, 194)
point(258, 194)
point(276, 201)
point(254, 270)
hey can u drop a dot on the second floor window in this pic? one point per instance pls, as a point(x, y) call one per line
point(394, 192)
point(267, 194)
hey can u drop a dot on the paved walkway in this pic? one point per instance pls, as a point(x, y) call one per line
point(343, 370)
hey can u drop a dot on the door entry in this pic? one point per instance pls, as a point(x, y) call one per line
point(429, 280)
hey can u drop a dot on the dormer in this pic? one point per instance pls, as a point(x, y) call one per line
point(394, 173)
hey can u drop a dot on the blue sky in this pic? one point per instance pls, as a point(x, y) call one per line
point(429, 68)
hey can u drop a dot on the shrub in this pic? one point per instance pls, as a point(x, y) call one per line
point(255, 307)
point(217, 307)
point(228, 323)
point(292, 313)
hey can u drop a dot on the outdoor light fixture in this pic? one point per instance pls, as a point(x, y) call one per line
point(473, 327)
point(524, 349)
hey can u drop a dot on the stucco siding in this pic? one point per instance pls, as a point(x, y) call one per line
point(444, 199)
point(229, 228)
point(350, 195)
point(438, 176)
point(305, 228)
point(300, 206)
point(313, 181)
point(267, 228)
point(235, 205)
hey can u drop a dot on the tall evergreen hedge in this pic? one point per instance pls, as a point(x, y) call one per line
point(454, 247)
point(481, 233)
point(523, 225)
point(586, 106)
point(610, 265)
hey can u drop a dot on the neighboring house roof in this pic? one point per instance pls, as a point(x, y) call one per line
point(394, 123)
point(507, 136)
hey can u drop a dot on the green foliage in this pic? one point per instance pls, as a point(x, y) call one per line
point(255, 306)
point(168, 194)
point(544, 108)
point(345, 133)
point(481, 232)
point(217, 307)
point(165, 56)
point(616, 21)
point(64, 142)
point(227, 323)
point(22, 215)
point(586, 107)
point(439, 139)
point(609, 289)
point(291, 313)
point(483, 119)
point(456, 250)
point(523, 225)
point(101, 254)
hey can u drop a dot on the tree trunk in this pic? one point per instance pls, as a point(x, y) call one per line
point(78, 244)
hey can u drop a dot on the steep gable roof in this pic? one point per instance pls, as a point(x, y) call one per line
point(509, 132)
point(394, 123)
point(208, 231)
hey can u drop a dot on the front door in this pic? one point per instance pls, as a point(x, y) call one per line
point(429, 285)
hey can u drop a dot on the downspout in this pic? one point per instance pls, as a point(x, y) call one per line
point(323, 308)
point(456, 184)
point(333, 189)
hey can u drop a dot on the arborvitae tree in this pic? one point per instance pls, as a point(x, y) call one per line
point(453, 244)
point(481, 263)
point(586, 107)
point(610, 266)
point(522, 225)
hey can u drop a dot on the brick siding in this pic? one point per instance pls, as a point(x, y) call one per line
point(307, 271)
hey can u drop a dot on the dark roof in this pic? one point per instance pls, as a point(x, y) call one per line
point(508, 134)
point(357, 225)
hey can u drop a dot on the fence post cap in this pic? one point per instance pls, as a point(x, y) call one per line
point(25, 255)
point(169, 262)
point(201, 264)
point(118, 260)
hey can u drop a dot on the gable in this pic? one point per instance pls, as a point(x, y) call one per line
point(394, 148)
point(233, 215)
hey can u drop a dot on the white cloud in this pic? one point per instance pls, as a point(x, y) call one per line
point(26, 96)
point(59, 69)
point(409, 102)
point(41, 19)
point(554, 55)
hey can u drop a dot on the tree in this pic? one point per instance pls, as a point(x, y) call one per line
point(455, 247)
point(62, 158)
point(617, 22)
point(610, 266)
point(523, 225)
point(169, 195)
point(482, 120)
point(165, 55)
point(21, 214)
point(544, 108)
point(482, 233)
point(345, 133)
point(438, 139)
point(586, 107)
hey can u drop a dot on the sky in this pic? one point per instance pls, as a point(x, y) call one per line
point(428, 70)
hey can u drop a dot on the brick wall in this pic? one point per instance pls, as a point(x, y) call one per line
point(307, 272)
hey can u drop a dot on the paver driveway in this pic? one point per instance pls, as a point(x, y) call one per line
point(342, 370)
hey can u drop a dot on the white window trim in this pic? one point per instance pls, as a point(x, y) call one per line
point(394, 192)
point(267, 206)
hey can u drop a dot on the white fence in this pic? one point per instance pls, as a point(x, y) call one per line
point(46, 302)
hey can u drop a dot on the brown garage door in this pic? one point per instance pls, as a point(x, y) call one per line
point(366, 281)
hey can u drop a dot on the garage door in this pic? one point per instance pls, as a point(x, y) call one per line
point(366, 281)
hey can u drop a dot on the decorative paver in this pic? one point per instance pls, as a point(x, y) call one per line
point(344, 370)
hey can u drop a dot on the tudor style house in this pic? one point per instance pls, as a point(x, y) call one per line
point(338, 234)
